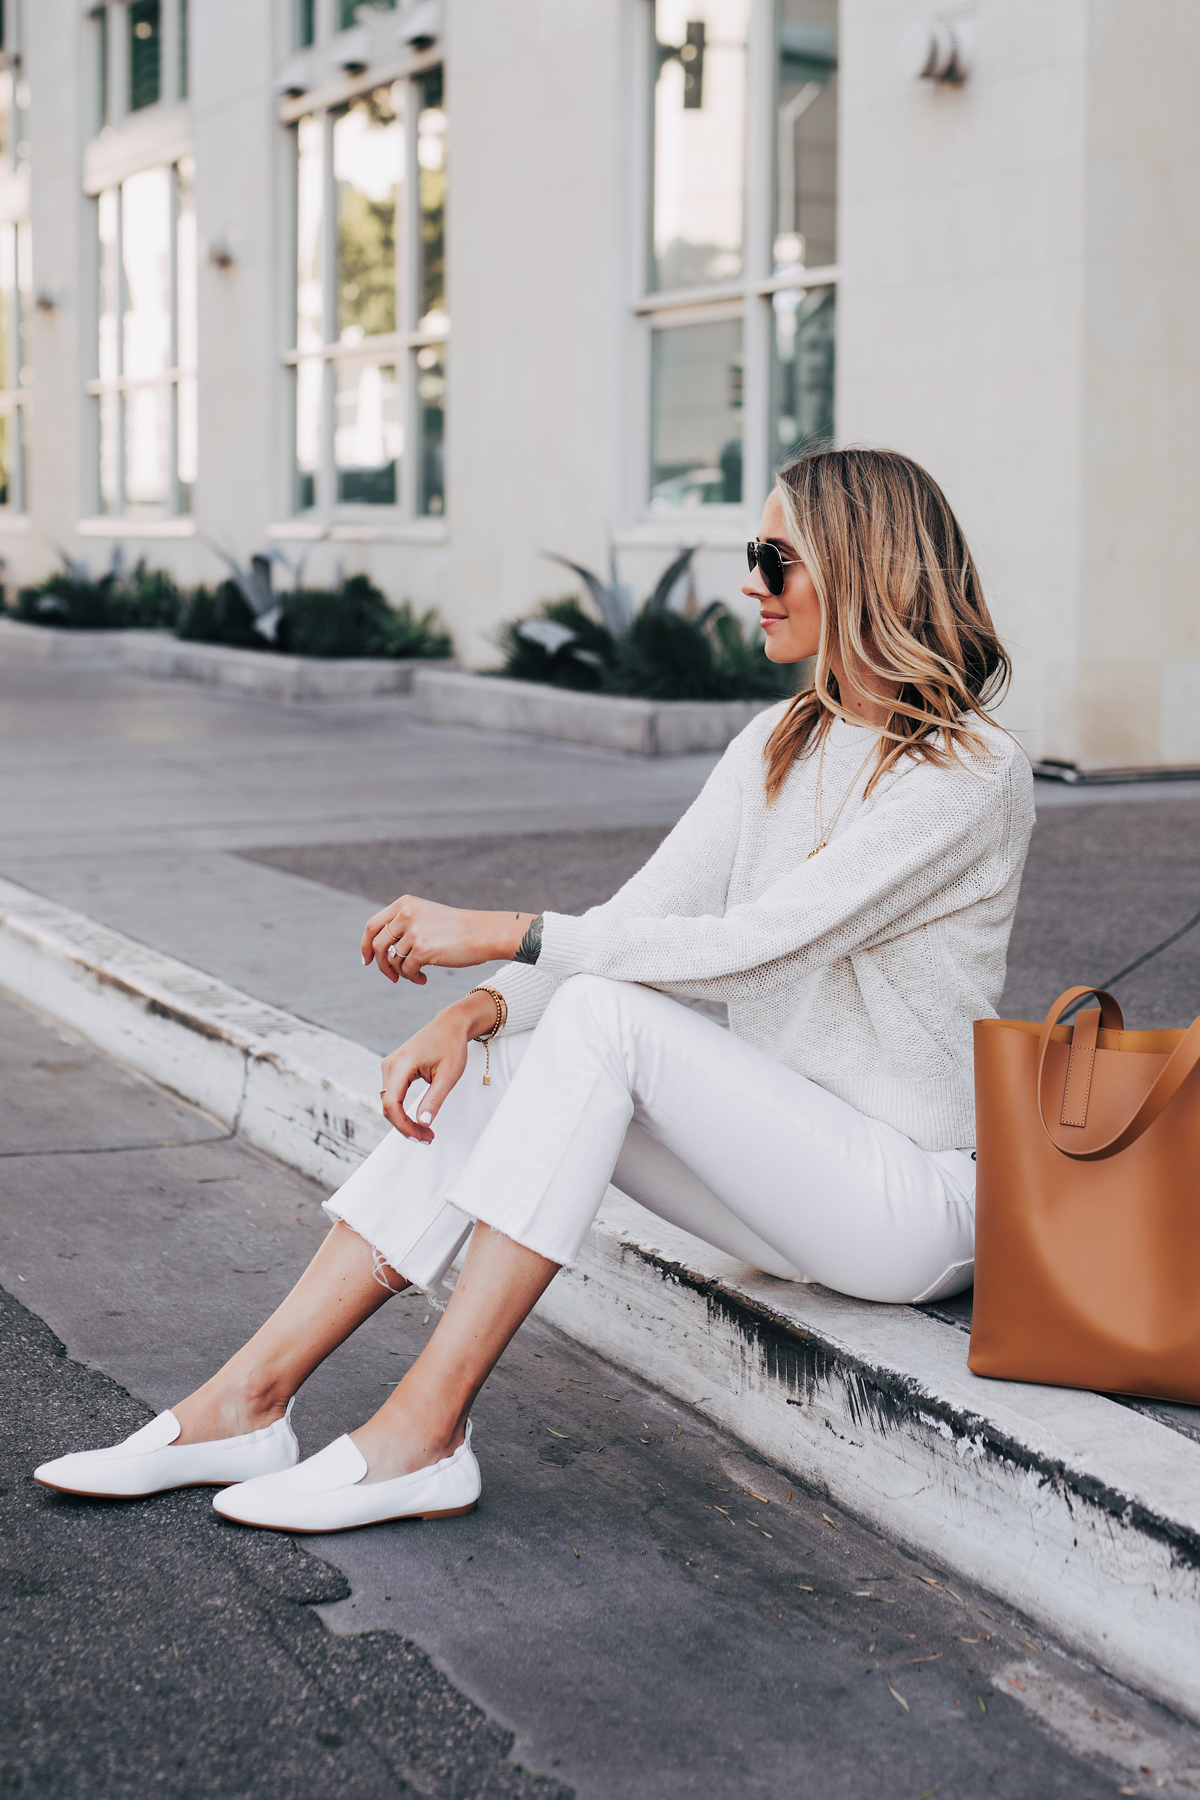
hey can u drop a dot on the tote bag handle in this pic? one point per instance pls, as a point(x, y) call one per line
point(1171, 1077)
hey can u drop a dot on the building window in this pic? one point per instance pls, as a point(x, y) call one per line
point(369, 364)
point(740, 273)
point(306, 23)
point(144, 391)
point(348, 10)
point(184, 49)
point(16, 294)
point(144, 23)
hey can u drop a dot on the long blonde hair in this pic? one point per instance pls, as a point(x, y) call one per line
point(901, 603)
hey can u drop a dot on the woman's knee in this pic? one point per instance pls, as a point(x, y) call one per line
point(592, 996)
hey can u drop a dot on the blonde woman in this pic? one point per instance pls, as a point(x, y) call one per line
point(845, 882)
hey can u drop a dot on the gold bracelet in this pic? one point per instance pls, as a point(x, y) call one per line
point(485, 1037)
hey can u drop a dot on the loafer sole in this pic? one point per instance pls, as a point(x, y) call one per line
point(446, 1512)
point(99, 1493)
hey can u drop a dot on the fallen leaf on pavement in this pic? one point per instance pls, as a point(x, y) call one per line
point(553, 1433)
point(898, 1697)
point(982, 1707)
point(755, 1496)
point(1013, 1682)
point(830, 1521)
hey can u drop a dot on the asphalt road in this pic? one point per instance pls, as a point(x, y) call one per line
point(639, 1608)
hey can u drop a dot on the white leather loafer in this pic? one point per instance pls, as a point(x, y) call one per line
point(151, 1461)
point(328, 1492)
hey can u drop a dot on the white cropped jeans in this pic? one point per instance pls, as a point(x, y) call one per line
point(620, 1083)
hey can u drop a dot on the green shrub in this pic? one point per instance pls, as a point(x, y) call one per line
point(355, 620)
point(147, 599)
point(220, 616)
point(578, 655)
point(659, 655)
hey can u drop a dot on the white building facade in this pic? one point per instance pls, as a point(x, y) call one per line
point(428, 290)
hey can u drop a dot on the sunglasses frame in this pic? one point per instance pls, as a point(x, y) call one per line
point(780, 562)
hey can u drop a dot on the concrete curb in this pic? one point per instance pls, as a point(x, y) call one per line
point(605, 721)
point(1082, 1512)
point(258, 672)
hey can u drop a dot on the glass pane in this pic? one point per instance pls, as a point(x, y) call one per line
point(368, 166)
point(184, 51)
point(431, 178)
point(368, 434)
point(185, 268)
point(145, 52)
point(306, 23)
point(108, 210)
point(696, 454)
point(147, 449)
point(9, 354)
point(802, 367)
point(188, 440)
point(108, 423)
point(806, 135)
point(146, 256)
point(308, 431)
point(699, 141)
point(310, 213)
point(8, 448)
point(348, 10)
point(100, 53)
point(431, 424)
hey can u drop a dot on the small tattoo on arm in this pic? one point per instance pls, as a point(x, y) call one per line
point(531, 944)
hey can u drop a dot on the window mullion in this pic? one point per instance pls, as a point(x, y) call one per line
point(326, 472)
point(409, 242)
point(120, 351)
point(760, 189)
point(173, 330)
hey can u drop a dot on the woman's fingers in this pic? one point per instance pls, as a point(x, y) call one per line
point(398, 1077)
point(445, 1076)
point(374, 926)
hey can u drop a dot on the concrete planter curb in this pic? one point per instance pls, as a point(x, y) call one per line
point(258, 672)
point(604, 721)
point(1082, 1512)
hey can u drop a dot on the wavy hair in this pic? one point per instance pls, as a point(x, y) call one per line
point(901, 604)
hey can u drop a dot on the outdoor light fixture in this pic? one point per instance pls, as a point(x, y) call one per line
point(936, 50)
point(421, 25)
point(354, 50)
point(690, 54)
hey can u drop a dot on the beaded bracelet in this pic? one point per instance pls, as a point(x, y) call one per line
point(485, 1037)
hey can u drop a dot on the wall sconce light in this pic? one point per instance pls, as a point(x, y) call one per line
point(221, 252)
point(936, 50)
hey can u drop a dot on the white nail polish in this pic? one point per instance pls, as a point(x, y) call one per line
point(426, 1118)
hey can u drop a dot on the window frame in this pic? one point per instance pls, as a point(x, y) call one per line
point(16, 392)
point(403, 345)
point(98, 387)
point(749, 296)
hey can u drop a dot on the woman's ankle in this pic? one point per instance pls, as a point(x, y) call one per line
point(225, 1408)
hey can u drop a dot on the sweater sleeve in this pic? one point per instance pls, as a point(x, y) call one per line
point(935, 841)
point(688, 875)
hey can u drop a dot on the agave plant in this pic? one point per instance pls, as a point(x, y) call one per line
point(659, 652)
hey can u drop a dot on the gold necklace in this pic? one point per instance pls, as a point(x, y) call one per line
point(820, 834)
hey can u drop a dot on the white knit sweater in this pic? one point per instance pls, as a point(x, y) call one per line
point(862, 968)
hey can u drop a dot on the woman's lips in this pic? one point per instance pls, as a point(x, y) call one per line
point(771, 618)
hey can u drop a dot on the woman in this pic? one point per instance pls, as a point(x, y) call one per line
point(845, 882)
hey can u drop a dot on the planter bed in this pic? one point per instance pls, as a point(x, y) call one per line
point(260, 672)
point(606, 721)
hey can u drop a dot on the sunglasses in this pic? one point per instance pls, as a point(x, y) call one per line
point(772, 563)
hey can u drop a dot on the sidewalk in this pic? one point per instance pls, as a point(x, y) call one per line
point(640, 1609)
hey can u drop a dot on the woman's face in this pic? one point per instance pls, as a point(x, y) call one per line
point(791, 620)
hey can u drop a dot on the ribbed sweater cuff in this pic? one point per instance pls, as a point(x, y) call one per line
point(568, 946)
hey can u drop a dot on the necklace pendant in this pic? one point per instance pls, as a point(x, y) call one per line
point(814, 851)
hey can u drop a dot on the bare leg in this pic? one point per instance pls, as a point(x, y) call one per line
point(425, 1418)
point(334, 1295)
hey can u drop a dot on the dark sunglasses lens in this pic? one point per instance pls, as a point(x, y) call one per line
point(771, 564)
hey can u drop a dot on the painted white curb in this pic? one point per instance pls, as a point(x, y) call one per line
point(258, 672)
point(605, 721)
point(1082, 1512)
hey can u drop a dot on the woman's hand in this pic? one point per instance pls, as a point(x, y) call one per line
point(436, 1054)
point(409, 933)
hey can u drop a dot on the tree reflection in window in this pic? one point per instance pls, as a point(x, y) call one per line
point(368, 166)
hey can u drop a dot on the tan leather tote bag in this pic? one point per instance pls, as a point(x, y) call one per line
point(1087, 1224)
